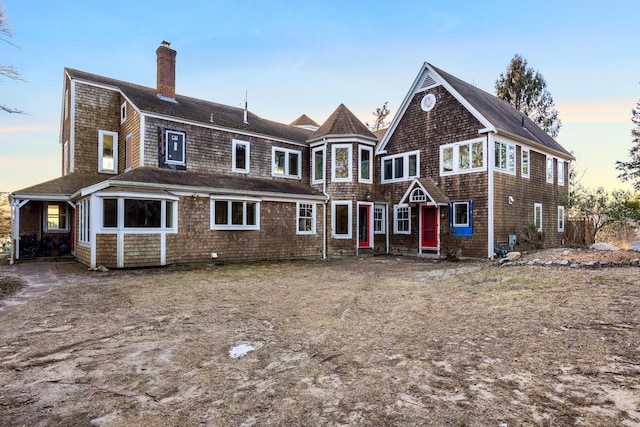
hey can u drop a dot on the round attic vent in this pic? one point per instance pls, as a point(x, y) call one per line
point(428, 102)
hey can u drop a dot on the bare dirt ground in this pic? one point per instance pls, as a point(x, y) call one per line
point(375, 342)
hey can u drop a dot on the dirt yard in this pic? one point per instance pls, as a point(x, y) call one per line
point(383, 341)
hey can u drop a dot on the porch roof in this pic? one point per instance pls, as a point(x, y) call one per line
point(434, 191)
point(61, 188)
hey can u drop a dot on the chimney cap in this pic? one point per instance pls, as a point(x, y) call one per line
point(165, 43)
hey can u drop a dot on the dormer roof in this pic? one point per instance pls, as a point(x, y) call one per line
point(342, 122)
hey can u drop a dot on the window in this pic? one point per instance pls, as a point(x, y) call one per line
point(138, 214)
point(84, 227)
point(560, 218)
point(525, 163)
point(418, 196)
point(379, 226)
point(107, 151)
point(56, 216)
point(461, 157)
point(341, 219)
point(461, 221)
point(128, 152)
point(65, 158)
point(560, 172)
point(286, 162)
point(175, 147)
point(240, 156)
point(142, 213)
point(235, 214)
point(341, 161)
point(400, 167)
point(306, 218)
point(550, 169)
point(505, 157)
point(401, 219)
point(123, 112)
point(537, 215)
point(317, 167)
point(66, 104)
point(365, 154)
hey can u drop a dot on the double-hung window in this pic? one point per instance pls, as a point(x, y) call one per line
point(379, 220)
point(365, 159)
point(175, 147)
point(400, 167)
point(550, 169)
point(107, 151)
point(56, 216)
point(560, 172)
point(525, 162)
point(560, 218)
point(286, 162)
point(306, 218)
point(235, 214)
point(402, 219)
point(461, 218)
point(341, 163)
point(461, 157)
point(240, 156)
point(505, 157)
point(317, 165)
point(341, 219)
point(537, 216)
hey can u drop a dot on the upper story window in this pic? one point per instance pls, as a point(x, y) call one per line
point(240, 156)
point(365, 156)
point(505, 157)
point(341, 163)
point(175, 147)
point(461, 157)
point(56, 216)
point(235, 214)
point(107, 151)
point(560, 172)
point(525, 162)
point(400, 167)
point(550, 169)
point(123, 112)
point(317, 165)
point(286, 162)
point(128, 152)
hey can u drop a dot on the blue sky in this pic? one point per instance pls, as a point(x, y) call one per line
point(296, 57)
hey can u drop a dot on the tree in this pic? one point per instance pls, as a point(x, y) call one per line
point(526, 89)
point(8, 71)
point(631, 169)
point(381, 114)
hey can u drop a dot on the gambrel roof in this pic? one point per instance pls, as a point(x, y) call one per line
point(495, 114)
point(342, 122)
point(195, 110)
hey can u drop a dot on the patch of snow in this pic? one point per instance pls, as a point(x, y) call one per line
point(635, 246)
point(604, 247)
point(240, 350)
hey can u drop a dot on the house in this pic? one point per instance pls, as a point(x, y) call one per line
point(150, 177)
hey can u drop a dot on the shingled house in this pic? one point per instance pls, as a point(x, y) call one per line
point(150, 177)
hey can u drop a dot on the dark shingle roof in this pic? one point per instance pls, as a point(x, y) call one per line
point(197, 110)
point(342, 122)
point(63, 186)
point(501, 114)
point(304, 120)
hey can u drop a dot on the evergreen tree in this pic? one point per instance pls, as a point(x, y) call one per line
point(526, 89)
point(631, 169)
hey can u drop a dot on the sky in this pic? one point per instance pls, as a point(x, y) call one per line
point(308, 57)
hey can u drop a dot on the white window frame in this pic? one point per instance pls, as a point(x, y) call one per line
point(361, 149)
point(65, 157)
point(334, 149)
point(397, 211)
point(234, 157)
point(379, 219)
point(229, 225)
point(299, 207)
point(313, 164)
point(287, 153)
point(453, 216)
point(560, 173)
point(405, 168)
point(101, 135)
point(561, 219)
point(123, 112)
point(347, 203)
point(510, 151)
point(84, 223)
point(455, 149)
point(549, 169)
point(167, 133)
point(524, 151)
point(120, 209)
point(537, 207)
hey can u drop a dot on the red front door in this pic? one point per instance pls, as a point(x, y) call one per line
point(429, 227)
point(364, 226)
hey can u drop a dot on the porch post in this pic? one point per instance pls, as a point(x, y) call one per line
point(16, 204)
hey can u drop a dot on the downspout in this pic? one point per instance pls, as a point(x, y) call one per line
point(326, 200)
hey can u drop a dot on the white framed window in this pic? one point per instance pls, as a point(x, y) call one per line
point(560, 218)
point(123, 112)
point(84, 225)
point(235, 214)
point(341, 219)
point(365, 161)
point(525, 162)
point(139, 213)
point(560, 172)
point(537, 215)
point(400, 167)
point(56, 216)
point(461, 218)
point(402, 219)
point(379, 219)
point(550, 169)
point(341, 164)
point(286, 162)
point(306, 218)
point(462, 157)
point(107, 151)
point(240, 156)
point(505, 157)
point(65, 157)
point(175, 147)
point(317, 165)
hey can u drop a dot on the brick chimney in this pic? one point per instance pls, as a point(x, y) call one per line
point(166, 81)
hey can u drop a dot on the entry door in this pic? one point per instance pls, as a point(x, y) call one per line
point(364, 226)
point(429, 227)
